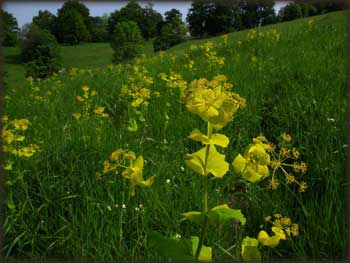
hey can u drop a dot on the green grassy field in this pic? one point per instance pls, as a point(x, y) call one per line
point(88, 55)
point(291, 75)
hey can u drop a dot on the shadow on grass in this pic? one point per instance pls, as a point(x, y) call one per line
point(13, 59)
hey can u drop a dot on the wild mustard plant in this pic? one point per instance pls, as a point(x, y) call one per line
point(88, 104)
point(131, 165)
point(282, 229)
point(13, 138)
point(216, 105)
point(174, 81)
point(138, 93)
point(262, 156)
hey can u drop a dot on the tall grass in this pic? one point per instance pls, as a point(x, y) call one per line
point(293, 85)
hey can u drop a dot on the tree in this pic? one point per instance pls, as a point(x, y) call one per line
point(222, 18)
point(213, 17)
point(197, 17)
point(46, 20)
point(126, 41)
point(41, 53)
point(146, 18)
point(290, 12)
point(172, 32)
point(98, 29)
point(257, 13)
point(72, 29)
point(151, 20)
point(77, 16)
point(131, 12)
point(9, 30)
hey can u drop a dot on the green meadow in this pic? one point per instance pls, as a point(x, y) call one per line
point(292, 78)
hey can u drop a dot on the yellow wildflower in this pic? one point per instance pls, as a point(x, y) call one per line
point(302, 187)
point(85, 88)
point(286, 137)
point(273, 183)
point(20, 124)
point(28, 151)
point(134, 174)
point(76, 115)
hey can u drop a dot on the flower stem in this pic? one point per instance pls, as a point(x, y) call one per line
point(205, 194)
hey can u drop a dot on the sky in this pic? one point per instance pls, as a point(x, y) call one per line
point(25, 10)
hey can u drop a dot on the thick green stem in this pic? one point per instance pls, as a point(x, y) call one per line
point(205, 194)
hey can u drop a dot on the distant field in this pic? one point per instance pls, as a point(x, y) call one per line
point(292, 77)
point(87, 55)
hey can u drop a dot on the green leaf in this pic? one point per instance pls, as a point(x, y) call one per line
point(250, 251)
point(217, 138)
point(206, 252)
point(170, 248)
point(222, 213)
point(216, 164)
point(133, 127)
point(194, 216)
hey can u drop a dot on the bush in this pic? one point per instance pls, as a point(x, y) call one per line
point(41, 53)
point(290, 12)
point(173, 31)
point(9, 29)
point(126, 41)
point(71, 28)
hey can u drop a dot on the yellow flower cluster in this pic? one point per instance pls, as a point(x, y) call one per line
point(174, 81)
point(214, 61)
point(138, 87)
point(37, 93)
point(11, 138)
point(254, 165)
point(132, 172)
point(271, 35)
point(87, 101)
point(283, 223)
point(213, 101)
point(277, 160)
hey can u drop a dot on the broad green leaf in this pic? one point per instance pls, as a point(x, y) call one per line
point(250, 251)
point(216, 165)
point(248, 170)
point(194, 216)
point(258, 153)
point(170, 248)
point(206, 252)
point(268, 241)
point(132, 127)
point(222, 213)
point(217, 138)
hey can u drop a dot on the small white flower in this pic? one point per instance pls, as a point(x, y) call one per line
point(116, 205)
point(140, 205)
point(178, 236)
point(331, 119)
point(124, 206)
point(168, 181)
point(137, 209)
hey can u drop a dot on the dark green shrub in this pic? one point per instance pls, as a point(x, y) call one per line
point(41, 53)
point(71, 28)
point(9, 29)
point(290, 12)
point(172, 32)
point(126, 41)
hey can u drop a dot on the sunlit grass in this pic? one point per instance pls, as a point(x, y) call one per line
point(292, 85)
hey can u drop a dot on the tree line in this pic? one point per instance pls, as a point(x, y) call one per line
point(127, 28)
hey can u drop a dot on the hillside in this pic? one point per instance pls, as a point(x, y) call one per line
point(292, 78)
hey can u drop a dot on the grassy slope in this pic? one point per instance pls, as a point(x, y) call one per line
point(296, 85)
point(89, 55)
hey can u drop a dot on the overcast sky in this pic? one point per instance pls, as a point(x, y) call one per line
point(25, 10)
